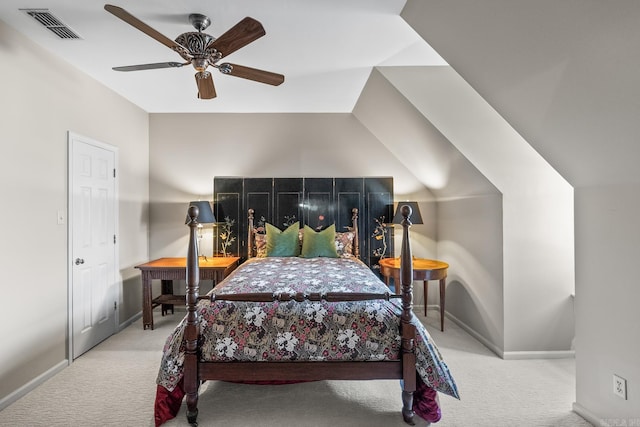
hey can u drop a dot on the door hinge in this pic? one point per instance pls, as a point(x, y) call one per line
point(115, 306)
point(114, 239)
point(114, 172)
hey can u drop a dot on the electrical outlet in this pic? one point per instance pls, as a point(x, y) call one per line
point(620, 386)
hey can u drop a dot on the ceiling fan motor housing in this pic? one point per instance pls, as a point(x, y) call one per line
point(200, 50)
point(196, 42)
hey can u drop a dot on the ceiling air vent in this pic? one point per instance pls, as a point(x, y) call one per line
point(53, 24)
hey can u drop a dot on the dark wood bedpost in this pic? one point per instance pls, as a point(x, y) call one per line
point(408, 329)
point(250, 235)
point(354, 226)
point(191, 381)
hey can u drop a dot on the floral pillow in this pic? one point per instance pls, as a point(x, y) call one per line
point(344, 244)
point(260, 241)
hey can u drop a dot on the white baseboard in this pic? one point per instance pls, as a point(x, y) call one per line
point(31, 385)
point(551, 354)
point(511, 355)
point(491, 346)
point(589, 416)
point(129, 321)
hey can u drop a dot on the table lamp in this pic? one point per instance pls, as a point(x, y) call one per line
point(205, 216)
point(415, 217)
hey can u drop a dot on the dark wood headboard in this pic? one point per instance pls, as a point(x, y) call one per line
point(316, 202)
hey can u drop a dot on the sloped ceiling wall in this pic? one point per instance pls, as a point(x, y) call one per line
point(469, 207)
point(563, 74)
point(537, 208)
point(566, 76)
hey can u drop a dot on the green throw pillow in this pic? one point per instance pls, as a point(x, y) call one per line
point(319, 244)
point(283, 243)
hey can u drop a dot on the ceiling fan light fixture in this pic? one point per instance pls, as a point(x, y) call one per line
point(200, 64)
point(203, 75)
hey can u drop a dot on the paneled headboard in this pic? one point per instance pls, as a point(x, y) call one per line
point(316, 202)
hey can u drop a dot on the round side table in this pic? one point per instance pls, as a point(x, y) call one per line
point(423, 269)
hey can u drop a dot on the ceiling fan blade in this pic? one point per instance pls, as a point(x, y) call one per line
point(150, 66)
point(206, 90)
point(135, 22)
point(238, 36)
point(251, 74)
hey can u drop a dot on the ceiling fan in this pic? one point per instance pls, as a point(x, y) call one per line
point(203, 50)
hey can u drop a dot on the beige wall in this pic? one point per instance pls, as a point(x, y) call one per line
point(42, 99)
point(188, 150)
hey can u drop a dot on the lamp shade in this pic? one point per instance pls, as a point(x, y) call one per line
point(205, 215)
point(415, 217)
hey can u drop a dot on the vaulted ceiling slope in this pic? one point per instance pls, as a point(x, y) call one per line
point(565, 74)
point(326, 50)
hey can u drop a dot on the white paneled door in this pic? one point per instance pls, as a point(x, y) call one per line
point(92, 225)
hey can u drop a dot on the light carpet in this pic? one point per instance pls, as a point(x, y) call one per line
point(114, 385)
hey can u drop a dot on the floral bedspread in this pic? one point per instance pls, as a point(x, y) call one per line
point(362, 330)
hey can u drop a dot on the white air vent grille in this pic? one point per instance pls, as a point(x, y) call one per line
point(53, 24)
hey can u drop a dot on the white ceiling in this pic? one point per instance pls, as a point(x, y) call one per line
point(326, 50)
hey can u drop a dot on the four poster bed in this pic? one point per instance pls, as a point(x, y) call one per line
point(283, 319)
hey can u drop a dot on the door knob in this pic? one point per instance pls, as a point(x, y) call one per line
point(79, 261)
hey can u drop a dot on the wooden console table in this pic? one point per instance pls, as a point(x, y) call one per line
point(423, 269)
point(169, 269)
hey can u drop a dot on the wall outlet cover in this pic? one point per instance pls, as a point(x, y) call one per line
point(619, 386)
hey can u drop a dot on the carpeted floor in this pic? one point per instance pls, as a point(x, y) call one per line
point(114, 385)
